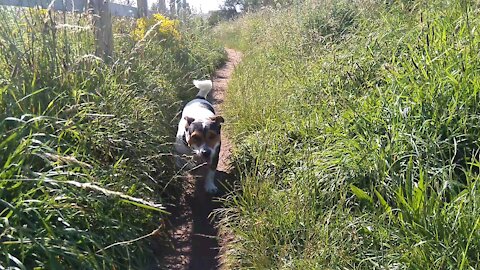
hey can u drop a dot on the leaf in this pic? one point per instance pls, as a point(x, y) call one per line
point(14, 119)
point(9, 139)
point(401, 200)
point(32, 94)
point(16, 261)
point(359, 193)
point(145, 206)
point(418, 192)
point(384, 203)
point(408, 180)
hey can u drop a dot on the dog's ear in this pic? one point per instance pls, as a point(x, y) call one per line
point(217, 119)
point(189, 120)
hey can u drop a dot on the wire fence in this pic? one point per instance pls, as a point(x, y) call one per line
point(103, 10)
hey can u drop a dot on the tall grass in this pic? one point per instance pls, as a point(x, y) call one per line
point(358, 126)
point(85, 146)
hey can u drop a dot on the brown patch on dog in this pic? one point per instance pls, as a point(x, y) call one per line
point(196, 138)
point(217, 119)
point(212, 139)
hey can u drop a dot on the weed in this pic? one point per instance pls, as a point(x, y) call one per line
point(360, 151)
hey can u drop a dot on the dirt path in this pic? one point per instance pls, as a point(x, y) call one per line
point(194, 237)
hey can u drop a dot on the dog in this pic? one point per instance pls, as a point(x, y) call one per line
point(198, 136)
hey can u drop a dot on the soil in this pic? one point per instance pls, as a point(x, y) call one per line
point(194, 237)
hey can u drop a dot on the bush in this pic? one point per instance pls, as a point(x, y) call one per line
point(84, 145)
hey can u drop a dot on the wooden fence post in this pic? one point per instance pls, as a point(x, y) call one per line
point(102, 22)
point(142, 7)
point(173, 11)
point(162, 7)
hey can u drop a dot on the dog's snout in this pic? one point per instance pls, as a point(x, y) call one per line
point(206, 152)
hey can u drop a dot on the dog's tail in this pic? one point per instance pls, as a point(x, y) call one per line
point(204, 87)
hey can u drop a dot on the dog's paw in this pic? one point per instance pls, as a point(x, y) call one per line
point(210, 182)
point(179, 162)
point(211, 188)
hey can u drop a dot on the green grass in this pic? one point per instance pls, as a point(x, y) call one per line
point(85, 146)
point(357, 129)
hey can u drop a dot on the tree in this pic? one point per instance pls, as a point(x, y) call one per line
point(160, 6)
point(255, 4)
point(173, 10)
point(233, 4)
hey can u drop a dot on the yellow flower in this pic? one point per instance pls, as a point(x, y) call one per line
point(37, 11)
point(166, 30)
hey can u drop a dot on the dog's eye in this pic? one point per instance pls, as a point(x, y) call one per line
point(212, 136)
point(195, 139)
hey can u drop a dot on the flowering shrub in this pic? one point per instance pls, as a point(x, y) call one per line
point(167, 29)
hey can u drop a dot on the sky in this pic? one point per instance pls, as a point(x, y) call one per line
point(204, 5)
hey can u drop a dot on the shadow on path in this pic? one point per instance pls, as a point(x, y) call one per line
point(194, 236)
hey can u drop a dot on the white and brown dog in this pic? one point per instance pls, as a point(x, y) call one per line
point(198, 135)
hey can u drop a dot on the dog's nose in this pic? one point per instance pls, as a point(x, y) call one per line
point(206, 152)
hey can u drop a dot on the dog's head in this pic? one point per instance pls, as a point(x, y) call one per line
point(203, 137)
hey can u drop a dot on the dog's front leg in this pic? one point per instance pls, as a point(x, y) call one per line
point(183, 156)
point(179, 162)
point(210, 186)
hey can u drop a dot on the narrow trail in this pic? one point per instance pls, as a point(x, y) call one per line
point(193, 234)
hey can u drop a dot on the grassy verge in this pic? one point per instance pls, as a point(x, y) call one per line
point(85, 146)
point(357, 126)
